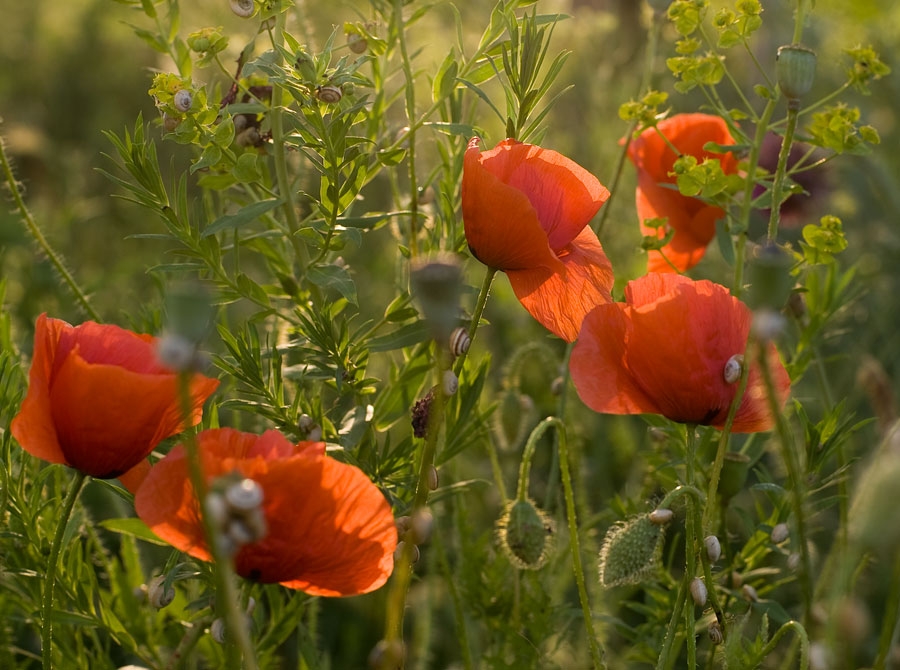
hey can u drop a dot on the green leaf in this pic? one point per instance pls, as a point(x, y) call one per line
point(334, 277)
point(133, 528)
point(241, 217)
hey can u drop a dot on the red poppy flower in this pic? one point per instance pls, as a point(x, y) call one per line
point(693, 221)
point(98, 400)
point(526, 211)
point(669, 349)
point(330, 530)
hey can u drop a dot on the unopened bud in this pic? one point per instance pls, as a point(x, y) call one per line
point(437, 285)
point(525, 533)
point(630, 551)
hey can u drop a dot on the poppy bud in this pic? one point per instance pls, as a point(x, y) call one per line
point(770, 278)
point(734, 474)
point(631, 551)
point(513, 418)
point(795, 70)
point(160, 594)
point(525, 533)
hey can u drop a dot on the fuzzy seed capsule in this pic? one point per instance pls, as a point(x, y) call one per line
point(330, 94)
point(459, 341)
point(733, 368)
point(698, 591)
point(525, 533)
point(158, 594)
point(243, 8)
point(662, 516)
point(183, 100)
point(713, 548)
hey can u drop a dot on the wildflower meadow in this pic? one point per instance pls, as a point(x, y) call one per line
point(449, 334)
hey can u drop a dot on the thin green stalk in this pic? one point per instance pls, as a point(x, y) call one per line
point(799, 20)
point(238, 643)
point(889, 619)
point(476, 316)
point(276, 117)
point(690, 548)
point(410, 90)
point(38, 236)
point(663, 661)
point(458, 613)
point(744, 221)
point(800, 632)
point(795, 475)
point(52, 563)
point(781, 170)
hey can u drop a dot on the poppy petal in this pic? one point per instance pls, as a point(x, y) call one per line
point(560, 302)
point(502, 226)
point(564, 194)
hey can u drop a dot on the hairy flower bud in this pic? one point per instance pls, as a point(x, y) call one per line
point(631, 551)
point(525, 534)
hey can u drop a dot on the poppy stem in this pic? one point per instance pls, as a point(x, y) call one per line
point(476, 316)
point(410, 93)
point(781, 170)
point(38, 236)
point(238, 641)
point(789, 454)
point(574, 546)
point(799, 631)
point(690, 542)
point(740, 245)
point(52, 561)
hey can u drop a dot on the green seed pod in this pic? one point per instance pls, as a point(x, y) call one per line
point(437, 285)
point(734, 474)
point(631, 551)
point(795, 70)
point(525, 534)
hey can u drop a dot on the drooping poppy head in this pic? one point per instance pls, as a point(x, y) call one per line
point(525, 211)
point(330, 531)
point(675, 347)
point(692, 220)
point(98, 400)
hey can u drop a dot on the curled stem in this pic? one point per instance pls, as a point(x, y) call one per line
point(800, 632)
point(52, 562)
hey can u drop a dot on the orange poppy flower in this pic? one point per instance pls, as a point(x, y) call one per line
point(693, 221)
point(330, 530)
point(526, 211)
point(671, 349)
point(98, 400)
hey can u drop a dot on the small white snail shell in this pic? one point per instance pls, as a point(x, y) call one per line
point(217, 630)
point(243, 8)
point(183, 100)
point(780, 533)
point(433, 479)
point(750, 593)
point(357, 43)
point(715, 633)
point(459, 341)
point(244, 496)
point(329, 94)
point(661, 516)
point(733, 368)
point(451, 382)
point(713, 548)
point(158, 594)
point(698, 591)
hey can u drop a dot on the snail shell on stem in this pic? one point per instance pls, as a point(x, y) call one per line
point(459, 341)
point(329, 94)
point(183, 100)
point(243, 8)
